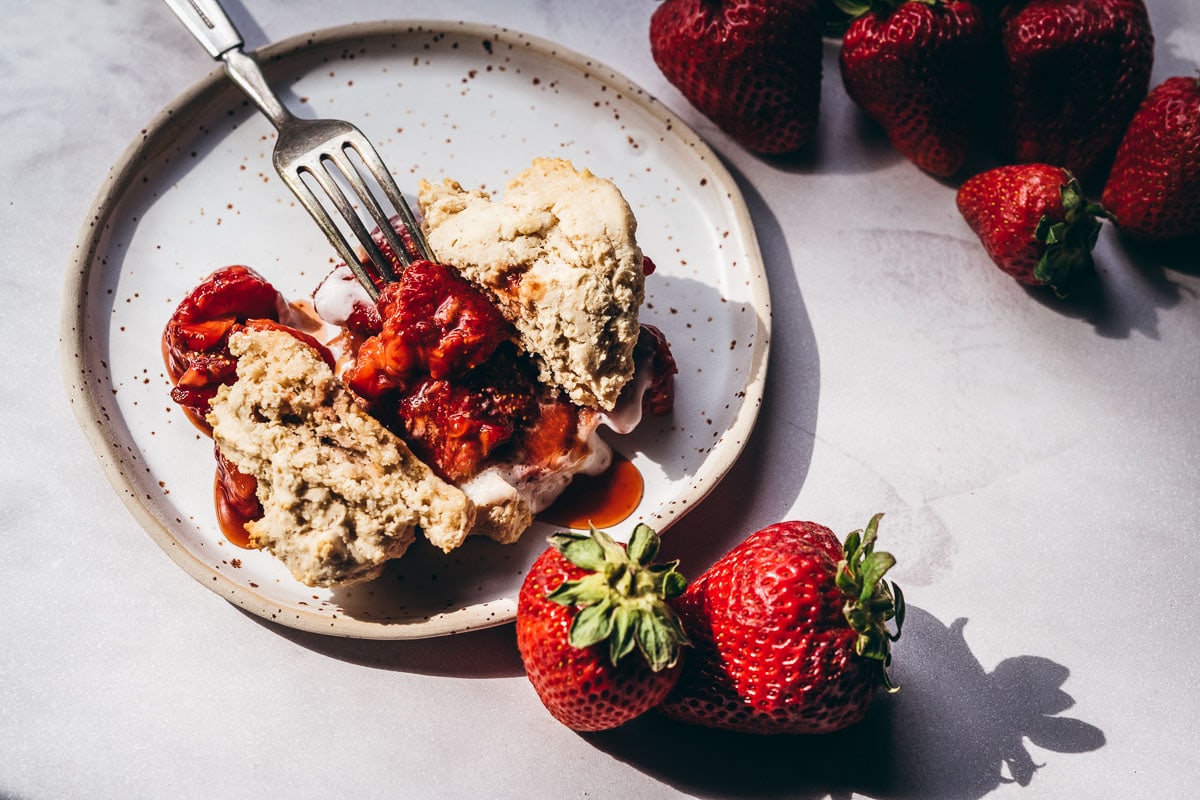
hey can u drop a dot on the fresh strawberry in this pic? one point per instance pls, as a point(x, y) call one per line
point(586, 606)
point(1034, 222)
point(789, 631)
point(1075, 72)
point(1153, 191)
point(917, 68)
point(751, 66)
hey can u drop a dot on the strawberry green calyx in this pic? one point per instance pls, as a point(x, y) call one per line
point(623, 598)
point(870, 602)
point(1069, 241)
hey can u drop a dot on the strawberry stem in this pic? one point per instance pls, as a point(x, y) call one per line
point(1068, 253)
point(870, 601)
point(623, 598)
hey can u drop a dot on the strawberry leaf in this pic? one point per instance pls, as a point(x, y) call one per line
point(656, 640)
point(586, 591)
point(870, 602)
point(593, 624)
point(860, 8)
point(874, 567)
point(853, 8)
point(614, 554)
point(671, 582)
point(582, 551)
point(899, 611)
point(643, 544)
point(622, 642)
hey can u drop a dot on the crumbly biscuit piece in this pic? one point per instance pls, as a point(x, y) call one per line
point(501, 513)
point(559, 254)
point(341, 494)
point(503, 521)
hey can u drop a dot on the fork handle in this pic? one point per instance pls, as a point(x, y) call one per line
point(209, 23)
point(244, 71)
point(211, 26)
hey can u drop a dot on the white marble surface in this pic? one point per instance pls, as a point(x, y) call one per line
point(1037, 462)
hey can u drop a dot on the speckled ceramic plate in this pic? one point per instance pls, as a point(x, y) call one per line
point(197, 191)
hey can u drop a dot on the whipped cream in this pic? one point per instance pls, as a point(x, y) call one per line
point(335, 298)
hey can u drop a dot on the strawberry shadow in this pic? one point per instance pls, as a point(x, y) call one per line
point(1132, 284)
point(955, 730)
point(1156, 259)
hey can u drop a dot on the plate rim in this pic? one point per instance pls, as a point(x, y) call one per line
point(160, 131)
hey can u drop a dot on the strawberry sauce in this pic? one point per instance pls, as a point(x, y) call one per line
point(602, 500)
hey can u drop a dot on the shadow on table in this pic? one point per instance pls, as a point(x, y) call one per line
point(1181, 255)
point(487, 653)
point(1133, 283)
point(953, 731)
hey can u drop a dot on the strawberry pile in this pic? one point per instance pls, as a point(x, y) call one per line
point(787, 633)
point(1054, 88)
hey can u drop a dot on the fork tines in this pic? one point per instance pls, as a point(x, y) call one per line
point(325, 166)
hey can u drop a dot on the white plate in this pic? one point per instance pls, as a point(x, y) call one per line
point(475, 103)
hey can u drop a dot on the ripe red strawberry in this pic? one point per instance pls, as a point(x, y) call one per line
point(1034, 222)
point(751, 66)
point(790, 632)
point(587, 604)
point(1153, 191)
point(917, 68)
point(1075, 72)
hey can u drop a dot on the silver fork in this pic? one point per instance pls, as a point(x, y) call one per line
point(319, 148)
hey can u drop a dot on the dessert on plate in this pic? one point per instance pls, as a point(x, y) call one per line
point(462, 401)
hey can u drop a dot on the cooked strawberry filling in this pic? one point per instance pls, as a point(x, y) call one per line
point(444, 375)
point(236, 499)
point(653, 350)
point(196, 340)
point(454, 424)
point(434, 323)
